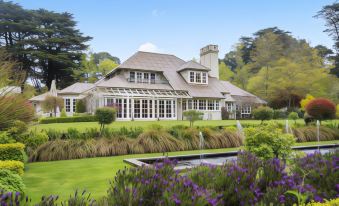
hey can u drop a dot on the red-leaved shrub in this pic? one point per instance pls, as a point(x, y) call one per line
point(321, 109)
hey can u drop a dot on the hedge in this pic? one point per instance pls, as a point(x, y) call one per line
point(12, 165)
point(12, 151)
point(87, 118)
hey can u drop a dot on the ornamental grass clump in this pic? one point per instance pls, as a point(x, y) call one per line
point(158, 140)
point(309, 134)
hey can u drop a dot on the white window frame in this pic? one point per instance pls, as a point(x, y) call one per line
point(142, 77)
point(197, 77)
point(201, 104)
point(246, 109)
point(68, 104)
point(132, 79)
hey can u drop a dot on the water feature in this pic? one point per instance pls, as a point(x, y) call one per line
point(318, 134)
point(188, 161)
point(201, 145)
point(288, 129)
point(240, 131)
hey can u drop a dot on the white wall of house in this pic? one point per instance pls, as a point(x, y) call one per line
point(70, 103)
point(211, 108)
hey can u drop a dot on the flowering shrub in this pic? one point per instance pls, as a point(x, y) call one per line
point(321, 173)
point(156, 186)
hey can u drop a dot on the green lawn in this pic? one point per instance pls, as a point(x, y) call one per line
point(92, 174)
point(118, 124)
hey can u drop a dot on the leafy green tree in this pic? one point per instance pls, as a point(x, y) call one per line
point(100, 56)
point(225, 73)
point(51, 103)
point(267, 50)
point(90, 71)
point(105, 66)
point(192, 116)
point(263, 113)
point(105, 115)
point(330, 14)
point(59, 46)
point(46, 44)
point(87, 71)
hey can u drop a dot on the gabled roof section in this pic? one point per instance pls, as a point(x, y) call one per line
point(234, 90)
point(77, 88)
point(240, 94)
point(41, 97)
point(151, 62)
point(193, 65)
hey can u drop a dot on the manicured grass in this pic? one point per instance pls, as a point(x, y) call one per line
point(83, 125)
point(92, 174)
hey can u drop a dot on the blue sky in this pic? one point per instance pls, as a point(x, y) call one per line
point(182, 27)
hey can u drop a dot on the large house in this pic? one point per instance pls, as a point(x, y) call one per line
point(152, 86)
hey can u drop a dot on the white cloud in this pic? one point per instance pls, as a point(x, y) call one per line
point(149, 47)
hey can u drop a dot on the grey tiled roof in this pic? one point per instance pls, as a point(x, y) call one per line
point(77, 88)
point(120, 81)
point(41, 97)
point(193, 65)
point(168, 65)
point(240, 94)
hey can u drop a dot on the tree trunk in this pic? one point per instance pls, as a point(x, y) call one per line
point(266, 82)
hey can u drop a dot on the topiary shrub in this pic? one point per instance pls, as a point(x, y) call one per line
point(12, 165)
point(293, 116)
point(80, 106)
point(11, 182)
point(321, 109)
point(192, 116)
point(263, 113)
point(105, 115)
point(13, 151)
point(268, 141)
point(63, 113)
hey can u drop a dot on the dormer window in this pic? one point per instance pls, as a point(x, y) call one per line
point(197, 77)
point(142, 77)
